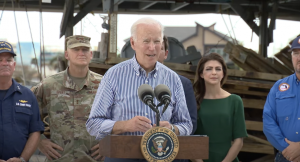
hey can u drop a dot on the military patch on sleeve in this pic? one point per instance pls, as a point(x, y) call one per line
point(283, 87)
point(159, 144)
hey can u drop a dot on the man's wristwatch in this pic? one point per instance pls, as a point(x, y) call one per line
point(172, 128)
point(22, 159)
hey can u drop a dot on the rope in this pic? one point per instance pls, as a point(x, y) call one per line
point(2, 10)
point(42, 39)
point(12, 2)
point(232, 29)
point(37, 65)
point(227, 27)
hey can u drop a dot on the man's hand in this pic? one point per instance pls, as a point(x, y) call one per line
point(297, 159)
point(138, 123)
point(164, 124)
point(292, 151)
point(48, 149)
point(96, 152)
point(14, 160)
point(196, 160)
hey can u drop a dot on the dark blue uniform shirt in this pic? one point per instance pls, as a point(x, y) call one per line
point(281, 116)
point(19, 116)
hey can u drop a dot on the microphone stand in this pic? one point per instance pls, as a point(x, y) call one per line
point(155, 109)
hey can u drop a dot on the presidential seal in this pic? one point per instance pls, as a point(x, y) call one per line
point(159, 144)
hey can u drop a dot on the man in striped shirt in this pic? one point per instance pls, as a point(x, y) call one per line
point(117, 108)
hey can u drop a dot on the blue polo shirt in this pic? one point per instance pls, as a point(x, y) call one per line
point(19, 116)
point(281, 115)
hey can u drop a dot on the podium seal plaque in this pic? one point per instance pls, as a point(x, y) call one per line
point(159, 144)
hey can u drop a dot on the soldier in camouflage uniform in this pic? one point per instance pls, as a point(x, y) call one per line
point(67, 98)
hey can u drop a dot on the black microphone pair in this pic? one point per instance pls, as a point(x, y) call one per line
point(161, 92)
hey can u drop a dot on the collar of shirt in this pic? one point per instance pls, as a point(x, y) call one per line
point(68, 82)
point(296, 79)
point(138, 69)
point(15, 87)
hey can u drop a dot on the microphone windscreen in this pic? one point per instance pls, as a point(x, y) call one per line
point(161, 90)
point(144, 90)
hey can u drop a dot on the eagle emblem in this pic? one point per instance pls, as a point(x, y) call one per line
point(160, 144)
point(23, 101)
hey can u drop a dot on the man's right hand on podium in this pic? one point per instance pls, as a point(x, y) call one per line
point(137, 123)
point(48, 149)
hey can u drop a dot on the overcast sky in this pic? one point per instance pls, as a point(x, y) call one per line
point(91, 26)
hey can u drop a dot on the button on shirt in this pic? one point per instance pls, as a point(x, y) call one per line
point(19, 116)
point(117, 98)
point(281, 115)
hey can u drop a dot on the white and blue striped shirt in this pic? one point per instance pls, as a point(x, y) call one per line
point(117, 99)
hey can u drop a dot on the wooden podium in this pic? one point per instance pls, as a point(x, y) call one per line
point(121, 146)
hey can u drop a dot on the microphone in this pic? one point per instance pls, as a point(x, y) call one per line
point(163, 94)
point(146, 94)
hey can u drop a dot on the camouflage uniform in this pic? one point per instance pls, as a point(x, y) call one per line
point(68, 106)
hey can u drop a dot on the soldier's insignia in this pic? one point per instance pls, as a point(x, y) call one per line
point(284, 87)
point(159, 144)
point(23, 101)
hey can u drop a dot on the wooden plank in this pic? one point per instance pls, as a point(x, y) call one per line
point(247, 92)
point(254, 125)
point(258, 148)
point(255, 75)
point(267, 158)
point(250, 84)
point(241, 65)
point(259, 140)
point(253, 103)
point(283, 69)
point(250, 58)
point(285, 60)
point(230, 72)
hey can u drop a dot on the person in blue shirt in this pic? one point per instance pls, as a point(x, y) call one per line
point(281, 114)
point(20, 122)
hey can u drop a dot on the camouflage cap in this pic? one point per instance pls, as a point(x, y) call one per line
point(77, 41)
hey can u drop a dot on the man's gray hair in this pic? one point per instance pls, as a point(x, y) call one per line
point(145, 20)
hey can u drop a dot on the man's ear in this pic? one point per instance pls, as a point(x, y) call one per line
point(67, 55)
point(166, 54)
point(132, 43)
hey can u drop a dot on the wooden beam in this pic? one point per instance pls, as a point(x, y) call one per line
point(177, 6)
point(259, 140)
point(67, 16)
point(247, 92)
point(257, 148)
point(253, 103)
point(254, 125)
point(87, 8)
point(255, 75)
point(145, 5)
point(245, 15)
point(250, 84)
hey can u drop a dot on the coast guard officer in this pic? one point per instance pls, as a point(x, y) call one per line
point(20, 122)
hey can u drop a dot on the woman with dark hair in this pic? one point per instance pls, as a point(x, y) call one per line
point(220, 114)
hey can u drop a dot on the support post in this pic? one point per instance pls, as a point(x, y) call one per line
point(263, 30)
